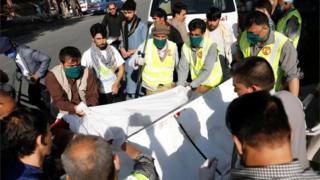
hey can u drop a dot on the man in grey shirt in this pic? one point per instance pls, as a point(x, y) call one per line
point(200, 55)
point(260, 40)
point(255, 74)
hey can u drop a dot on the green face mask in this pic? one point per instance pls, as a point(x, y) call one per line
point(73, 72)
point(253, 38)
point(196, 40)
point(159, 43)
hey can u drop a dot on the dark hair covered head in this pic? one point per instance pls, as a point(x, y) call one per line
point(129, 5)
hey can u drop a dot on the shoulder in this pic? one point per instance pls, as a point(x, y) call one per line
point(86, 54)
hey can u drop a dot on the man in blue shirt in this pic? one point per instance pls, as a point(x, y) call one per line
point(26, 141)
point(134, 32)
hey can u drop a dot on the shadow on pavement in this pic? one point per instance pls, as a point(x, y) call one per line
point(34, 28)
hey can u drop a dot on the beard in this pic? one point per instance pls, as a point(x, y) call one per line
point(102, 46)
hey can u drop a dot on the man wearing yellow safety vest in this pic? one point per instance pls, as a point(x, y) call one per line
point(291, 22)
point(277, 49)
point(200, 55)
point(161, 58)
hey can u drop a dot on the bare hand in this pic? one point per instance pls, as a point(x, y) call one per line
point(35, 77)
point(115, 88)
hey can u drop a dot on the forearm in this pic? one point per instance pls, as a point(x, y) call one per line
point(120, 73)
point(130, 150)
point(183, 70)
point(294, 86)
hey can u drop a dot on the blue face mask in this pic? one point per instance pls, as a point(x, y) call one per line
point(253, 38)
point(196, 40)
point(73, 72)
point(159, 43)
point(12, 54)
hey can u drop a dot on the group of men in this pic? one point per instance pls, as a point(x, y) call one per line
point(269, 138)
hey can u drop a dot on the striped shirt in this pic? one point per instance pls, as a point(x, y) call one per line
point(290, 171)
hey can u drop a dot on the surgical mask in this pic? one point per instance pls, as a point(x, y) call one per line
point(73, 72)
point(253, 38)
point(159, 43)
point(12, 53)
point(196, 40)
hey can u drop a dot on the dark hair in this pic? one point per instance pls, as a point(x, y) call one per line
point(254, 70)
point(197, 23)
point(256, 17)
point(98, 28)
point(129, 5)
point(160, 13)
point(23, 126)
point(71, 52)
point(178, 7)
point(258, 118)
point(213, 14)
point(264, 4)
point(95, 161)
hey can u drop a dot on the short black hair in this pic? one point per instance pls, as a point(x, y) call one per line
point(23, 126)
point(160, 13)
point(129, 5)
point(254, 70)
point(256, 17)
point(197, 23)
point(178, 7)
point(69, 51)
point(258, 119)
point(98, 28)
point(213, 14)
point(264, 4)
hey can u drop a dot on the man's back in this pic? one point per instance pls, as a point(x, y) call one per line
point(296, 117)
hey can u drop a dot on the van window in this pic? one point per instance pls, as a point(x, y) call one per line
point(195, 6)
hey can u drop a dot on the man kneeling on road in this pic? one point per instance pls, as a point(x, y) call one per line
point(161, 57)
point(200, 54)
point(71, 86)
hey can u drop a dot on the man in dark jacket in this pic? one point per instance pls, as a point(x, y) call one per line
point(112, 20)
point(33, 65)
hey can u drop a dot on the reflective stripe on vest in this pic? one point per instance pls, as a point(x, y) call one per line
point(282, 25)
point(216, 75)
point(271, 52)
point(139, 176)
point(156, 71)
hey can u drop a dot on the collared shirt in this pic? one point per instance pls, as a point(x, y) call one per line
point(288, 58)
point(288, 171)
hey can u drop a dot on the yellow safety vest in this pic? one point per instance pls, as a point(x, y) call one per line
point(216, 75)
point(158, 72)
point(282, 25)
point(138, 176)
point(271, 52)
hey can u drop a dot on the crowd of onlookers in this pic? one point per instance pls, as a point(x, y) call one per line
point(124, 61)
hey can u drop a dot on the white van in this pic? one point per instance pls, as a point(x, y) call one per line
point(199, 8)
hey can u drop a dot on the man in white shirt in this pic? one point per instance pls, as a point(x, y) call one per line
point(222, 36)
point(107, 63)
